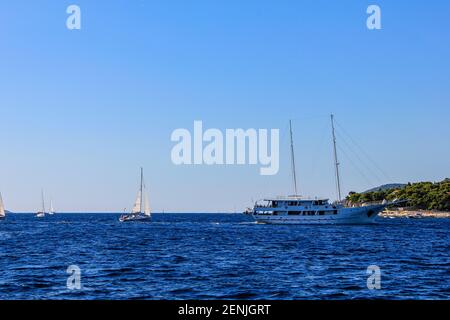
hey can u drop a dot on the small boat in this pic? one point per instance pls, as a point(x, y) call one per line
point(2, 208)
point(141, 208)
point(51, 211)
point(41, 214)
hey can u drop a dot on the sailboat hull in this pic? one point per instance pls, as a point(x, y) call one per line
point(139, 218)
point(40, 215)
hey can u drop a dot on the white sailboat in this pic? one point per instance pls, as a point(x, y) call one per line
point(298, 210)
point(51, 211)
point(41, 214)
point(141, 208)
point(2, 208)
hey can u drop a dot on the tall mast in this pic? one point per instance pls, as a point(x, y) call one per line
point(336, 162)
point(294, 176)
point(142, 187)
point(43, 203)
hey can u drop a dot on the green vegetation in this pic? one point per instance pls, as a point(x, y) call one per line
point(421, 195)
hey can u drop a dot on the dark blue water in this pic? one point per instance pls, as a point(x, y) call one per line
point(220, 256)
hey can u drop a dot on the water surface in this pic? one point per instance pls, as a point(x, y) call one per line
point(220, 256)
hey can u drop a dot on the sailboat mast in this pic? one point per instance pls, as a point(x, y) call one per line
point(43, 203)
point(142, 187)
point(294, 176)
point(336, 162)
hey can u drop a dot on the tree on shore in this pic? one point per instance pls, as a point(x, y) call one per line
point(420, 195)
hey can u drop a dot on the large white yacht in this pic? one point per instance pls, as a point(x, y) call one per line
point(298, 210)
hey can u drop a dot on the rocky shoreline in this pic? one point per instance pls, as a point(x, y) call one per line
point(414, 214)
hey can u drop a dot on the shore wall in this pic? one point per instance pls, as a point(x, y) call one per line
point(415, 214)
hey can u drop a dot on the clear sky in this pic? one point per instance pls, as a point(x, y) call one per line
point(81, 110)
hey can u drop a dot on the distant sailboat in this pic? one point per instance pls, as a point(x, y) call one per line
point(41, 214)
point(2, 208)
point(51, 211)
point(141, 208)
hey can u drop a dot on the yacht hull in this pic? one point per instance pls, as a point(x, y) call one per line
point(357, 215)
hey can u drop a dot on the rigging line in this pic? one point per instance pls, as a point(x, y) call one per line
point(303, 117)
point(368, 167)
point(316, 151)
point(359, 158)
point(356, 167)
point(364, 153)
point(361, 161)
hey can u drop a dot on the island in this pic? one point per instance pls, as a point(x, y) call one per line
point(424, 199)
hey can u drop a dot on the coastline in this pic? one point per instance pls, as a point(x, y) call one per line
point(414, 214)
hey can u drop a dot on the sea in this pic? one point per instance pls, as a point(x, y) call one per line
point(220, 256)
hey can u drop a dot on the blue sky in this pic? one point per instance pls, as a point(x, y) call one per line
point(81, 110)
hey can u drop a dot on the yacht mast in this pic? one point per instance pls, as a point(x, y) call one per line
point(142, 187)
point(336, 162)
point(294, 176)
